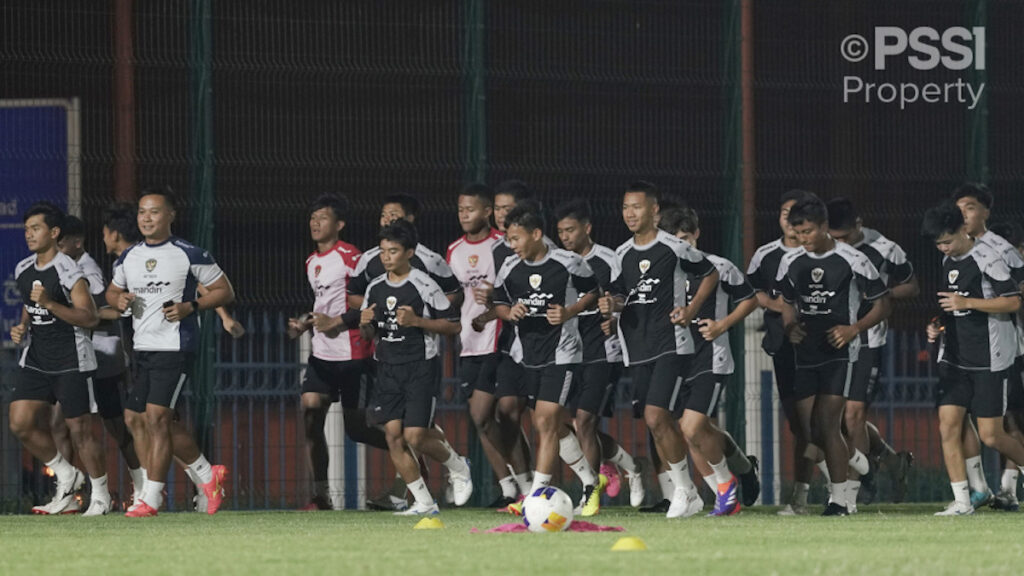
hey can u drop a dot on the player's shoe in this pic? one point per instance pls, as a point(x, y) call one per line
point(750, 483)
point(590, 505)
point(611, 472)
point(514, 508)
point(500, 503)
point(793, 510)
point(851, 508)
point(318, 502)
point(214, 489)
point(684, 504)
point(834, 509)
point(199, 502)
point(659, 507)
point(905, 461)
point(418, 509)
point(99, 507)
point(388, 503)
point(64, 500)
point(140, 510)
point(462, 484)
point(636, 489)
point(1006, 501)
point(727, 501)
point(956, 509)
point(979, 499)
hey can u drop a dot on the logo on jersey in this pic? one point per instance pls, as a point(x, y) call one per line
point(150, 264)
point(473, 259)
point(316, 271)
point(391, 302)
point(817, 274)
point(953, 275)
point(645, 265)
point(535, 280)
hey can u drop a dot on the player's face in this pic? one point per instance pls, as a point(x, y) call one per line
point(846, 235)
point(72, 246)
point(38, 236)
point(503, 204)
point(524, 243)
point(975, 214)
point(638, 211)
point(474, 215)
point(155, 217)
point(953, 244)
point(574, 234)
point(813, 237)
point(690, 237)
point(394, 256)
point(391, 212)
point(324, 225)
point(787, 229)
point(109, 240)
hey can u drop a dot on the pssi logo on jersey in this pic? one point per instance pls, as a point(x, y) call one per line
point(645, 265)
point(817, 274)
point(150, 264)
point(953, 275)
point(316, 271)
point(391, 302)
point(535, 280)
point(473, 259)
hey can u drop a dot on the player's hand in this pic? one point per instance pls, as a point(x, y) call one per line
point(234, 327)
point(934, 330)
point(296, 326)
point(710, 329)
point(610, 326)
point(18, 332)
point(680, 316)
point(606, 305)
point(366, 316)
point(325, 324)
point(406, 316)
point(483, 292)
point(178, 311)
point(517, 312)
point(839, 336)
point(124, 301)
point(557, 314)
point(796, 333)
point(39, 295)
point(479, 322)
point(949, 301)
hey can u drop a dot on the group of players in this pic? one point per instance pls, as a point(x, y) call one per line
point(544, 329)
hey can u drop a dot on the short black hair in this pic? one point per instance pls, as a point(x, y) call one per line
point(52, 215)
point(409, 203)
point(946, 218)
point(479, 190)
point(121, 217)
point(679, 219)
point(527, 214)
point(808, 209)
point(338, 203)
point(401, 232)
point(841, 213)
point(647, 188)
point(514, 188)
point(577, 209)
point(73, 226)
point(166, 191)
point(1010, 230)
point(790, 195)
point(976, 190)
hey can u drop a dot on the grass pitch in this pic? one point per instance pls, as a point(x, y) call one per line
point(903, 539)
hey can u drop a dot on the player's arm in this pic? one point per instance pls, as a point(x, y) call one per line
point(905, 290)
point(767, 302)
point(367, 324)
point(612, 301)
point(298, 326)
point(218, 293)
point(684, 314)
point(119, 298)
point(712, 329)
point(406, 316)
point(231, 326)
point(558, 315)
point(839, 336)
point(82, 311)
point(18, 330)
point(791, 323)
point(953, 302)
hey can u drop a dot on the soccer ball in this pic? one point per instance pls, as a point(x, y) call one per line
point(547, 510)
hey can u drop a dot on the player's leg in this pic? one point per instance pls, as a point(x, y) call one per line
point(1006, 498)
point(61, 434)
point(784, 365)
point(898, 464)
point(981, 494)
point(707, 443)
point(403, 460)
point(511, 392)
point(81, 424)
point(158, 425)
point(582, 450)
point(954, 396)
point(314, 415)
point(988, 405)
point(479, 384)
point(348, 379)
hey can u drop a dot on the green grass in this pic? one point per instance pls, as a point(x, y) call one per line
point(903, 539)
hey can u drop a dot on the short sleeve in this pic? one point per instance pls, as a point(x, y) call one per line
point(203, 266)
point(755, 274)
point(734, 283)
point(582, 276)
point(784, 283)
point(358, 282)
point(868, 280)
point(998, 275)
point(694, 262)
point(501, 294)
point(69, 274)
point(119, 278)
point(900, 269)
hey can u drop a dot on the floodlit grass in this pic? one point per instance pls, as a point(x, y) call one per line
point(887, 539)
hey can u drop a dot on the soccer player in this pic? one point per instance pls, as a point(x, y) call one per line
point(58, 363)
point(406, 311)
point(541, 290)
point(339, 362)
point(602, 358)
point(716, 454)
point(157, 280)
point(978, 344)
point(898, 274)
point(823, 286)
point(650, 295)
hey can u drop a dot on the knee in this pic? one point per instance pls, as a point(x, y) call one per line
point(989, 434)
point(482, 419)
point(586, 423)
point(21, 424)
point(158, 419)
point(950, 430)
point(545, 423)
point(396, 442)
point(656, 423)
point(508, 409)
point(415, 436)
point(694, 430)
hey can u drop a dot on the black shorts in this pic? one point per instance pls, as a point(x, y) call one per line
point(784, 362)
point(511, 379)
point(1015, 387)
point(160, 379)
point(406, 392)
point(829, 379)
point(74, 390)
point(866, 370)
point(479, 373)
point(983, 393)
point(553, 383)
point(595, 388)
point(108, 396)
point(659, 382)
point(700, 393)
point(347, 381)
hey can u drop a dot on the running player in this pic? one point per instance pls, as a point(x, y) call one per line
point(978, 345)
point(406, 311)
point(823, 285)
point(339, 362)
point(898, 274)
point(157, 280)
point(654, 327)
point(58, 363)
point(602, 359)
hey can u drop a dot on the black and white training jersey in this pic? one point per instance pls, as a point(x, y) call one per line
point(732, 287)
point(827, 290)
point(597, 346)
point(54, 346)
point(763, 268)
point(369, 267)
point(559, 277)
point(975, 340)
point(893, 268)
point(1015, 263)
point(402, 344)
point(507, 342)
point(166, 272)
point(652, 279)
point(111, 356)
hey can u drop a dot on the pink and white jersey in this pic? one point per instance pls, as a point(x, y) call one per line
point(328, 274)
point(473, 263)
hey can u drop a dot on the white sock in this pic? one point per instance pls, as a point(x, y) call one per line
point(623, 460)
point(961, 493)
point(456, 464)
point(838, 493)
point(421, 493)
point(859, 462)
point(322, 488)
point(824, 472)
point(680, 474)
point(145, 478)
point(153, 494)
point(138, 479)
point(540, 480)
point(508, 486)
point(523, 482)
point(571, 453)
point(852, 489)
point(100, 491)
point(61, 467)
point(800, 490)
point(738, 461)
point(976, 474)
point(711, 483)
point(202, 469)
point(667, 487)
point(722, 474)
point(1009, 481)
point(193, 477)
